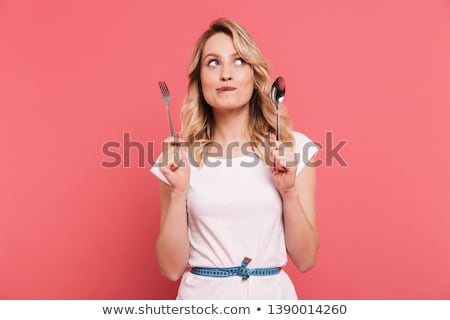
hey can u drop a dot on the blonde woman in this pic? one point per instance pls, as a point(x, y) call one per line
point(234, 202)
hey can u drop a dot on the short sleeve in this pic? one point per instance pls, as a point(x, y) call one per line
point(157, 172)
point(305, 149)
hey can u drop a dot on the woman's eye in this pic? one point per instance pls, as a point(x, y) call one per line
point(213, 63)
point(240, 61)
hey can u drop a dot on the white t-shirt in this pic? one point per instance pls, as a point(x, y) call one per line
point(235, 211)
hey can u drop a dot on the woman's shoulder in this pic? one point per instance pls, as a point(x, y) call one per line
point(301, 138)
point(305, 148)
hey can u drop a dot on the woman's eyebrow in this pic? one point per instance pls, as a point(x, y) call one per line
point(216, 55)
point(210, 55)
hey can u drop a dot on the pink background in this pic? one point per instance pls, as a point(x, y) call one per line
point(77, 74)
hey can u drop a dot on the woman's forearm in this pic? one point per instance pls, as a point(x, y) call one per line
point(302, 240)
point(172, 246)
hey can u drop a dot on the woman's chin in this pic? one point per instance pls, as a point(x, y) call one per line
point(230, 106)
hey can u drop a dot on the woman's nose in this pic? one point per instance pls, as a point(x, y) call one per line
point(226, 73)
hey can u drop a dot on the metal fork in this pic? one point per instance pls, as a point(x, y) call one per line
point(166, 99)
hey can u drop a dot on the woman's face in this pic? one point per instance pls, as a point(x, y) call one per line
point(227, 81)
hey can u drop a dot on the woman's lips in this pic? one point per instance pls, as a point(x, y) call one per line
point(225, 89)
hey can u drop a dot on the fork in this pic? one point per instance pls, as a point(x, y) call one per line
point(166, 99)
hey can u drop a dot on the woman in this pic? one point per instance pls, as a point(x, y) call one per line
point(233, 200)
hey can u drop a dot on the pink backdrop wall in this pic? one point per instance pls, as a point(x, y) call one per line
point(75, 75)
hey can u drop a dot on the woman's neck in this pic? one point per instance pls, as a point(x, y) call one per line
point(231, 126)
point(230, 132)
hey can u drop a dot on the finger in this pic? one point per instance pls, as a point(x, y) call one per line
point(172, 147)
point(172, 166)
point(178, 159)
point(276, 153)
point(277, 160)
point(275, 171)
point(170, 159)
point(273, 156)
point(182, 157)
point(281, 163)
point(276, 145)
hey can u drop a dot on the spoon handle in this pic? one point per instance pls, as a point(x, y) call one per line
point(278, 125)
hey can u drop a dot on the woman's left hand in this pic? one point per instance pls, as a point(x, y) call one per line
point(284, 166)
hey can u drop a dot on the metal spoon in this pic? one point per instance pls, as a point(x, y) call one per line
point(277, 94)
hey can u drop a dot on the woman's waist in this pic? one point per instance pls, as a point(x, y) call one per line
point(242, 271)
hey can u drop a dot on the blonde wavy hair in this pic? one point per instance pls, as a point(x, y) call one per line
point(196, 115)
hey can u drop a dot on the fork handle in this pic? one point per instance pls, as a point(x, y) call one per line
point(170, 121)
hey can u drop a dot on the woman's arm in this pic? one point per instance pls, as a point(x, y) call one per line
point(299, 212)
point(172, 245)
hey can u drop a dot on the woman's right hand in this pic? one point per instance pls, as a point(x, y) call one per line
point(175, 166)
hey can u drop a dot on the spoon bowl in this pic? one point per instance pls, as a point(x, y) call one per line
point(277, 94)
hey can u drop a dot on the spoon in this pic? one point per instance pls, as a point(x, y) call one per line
point(277, 94)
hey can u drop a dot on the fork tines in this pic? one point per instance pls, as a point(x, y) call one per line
point(163, 87)
point(166, 99)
